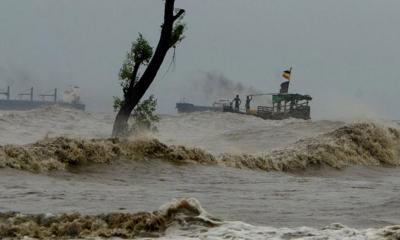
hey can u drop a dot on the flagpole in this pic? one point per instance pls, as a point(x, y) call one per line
point(290, 78)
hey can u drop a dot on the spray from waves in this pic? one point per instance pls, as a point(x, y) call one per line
point(179, 219)
point(368, 144)
point(22, 127)
point(122, 225)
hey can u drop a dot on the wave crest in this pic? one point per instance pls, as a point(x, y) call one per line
point(123, 225)
point(179, 219)
point(61, 153)
point(367, 144)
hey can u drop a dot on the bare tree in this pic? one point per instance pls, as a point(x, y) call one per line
point(135, 86)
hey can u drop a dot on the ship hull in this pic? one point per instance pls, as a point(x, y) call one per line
point(266, 113)
point(28, 105)
point(189, 108)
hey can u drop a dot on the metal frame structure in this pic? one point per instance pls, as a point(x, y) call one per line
point(6, 93)
point(54, 95)
point(284, 105)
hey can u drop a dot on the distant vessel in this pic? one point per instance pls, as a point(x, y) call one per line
point(71, 99)
point(218, 106)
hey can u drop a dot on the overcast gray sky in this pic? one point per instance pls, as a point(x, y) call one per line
point(345, 53)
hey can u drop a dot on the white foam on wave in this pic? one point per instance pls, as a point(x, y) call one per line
point(240, 230)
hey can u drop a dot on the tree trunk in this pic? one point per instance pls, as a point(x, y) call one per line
point(135, 92)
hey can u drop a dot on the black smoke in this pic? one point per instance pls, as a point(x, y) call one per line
point(213, 85)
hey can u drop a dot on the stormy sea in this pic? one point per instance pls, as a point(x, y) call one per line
point(200, 176)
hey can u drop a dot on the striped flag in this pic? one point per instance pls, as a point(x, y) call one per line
point(286, 74)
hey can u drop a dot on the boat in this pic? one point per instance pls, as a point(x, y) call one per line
point(71, 99)
point(284, 104)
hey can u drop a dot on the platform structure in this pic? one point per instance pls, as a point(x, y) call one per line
point(284, 105)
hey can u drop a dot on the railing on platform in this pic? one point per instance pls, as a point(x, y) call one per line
point(265, 109)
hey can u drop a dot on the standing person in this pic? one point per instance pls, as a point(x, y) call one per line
point(248, 100)
point(237, 103)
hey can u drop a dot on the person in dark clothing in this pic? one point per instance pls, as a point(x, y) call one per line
point(248, 100)
point(237, 103)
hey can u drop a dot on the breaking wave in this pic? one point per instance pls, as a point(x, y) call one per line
point(122, 225)
point(179, 219)
point(61, 153)
point(368, 144)
point(240, 230)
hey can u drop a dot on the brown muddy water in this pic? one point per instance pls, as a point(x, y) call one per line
point(358, 197)
point(363, 198)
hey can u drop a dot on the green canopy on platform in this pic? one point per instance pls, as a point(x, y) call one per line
point(290, 97)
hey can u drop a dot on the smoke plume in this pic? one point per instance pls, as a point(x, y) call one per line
point(211, 86)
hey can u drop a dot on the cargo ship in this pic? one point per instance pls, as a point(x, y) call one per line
point(26, 100)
